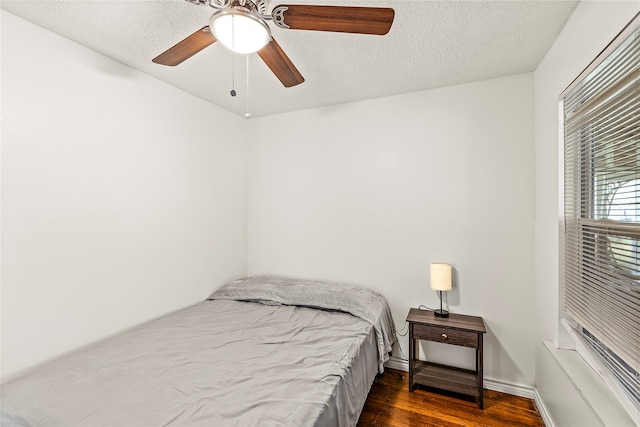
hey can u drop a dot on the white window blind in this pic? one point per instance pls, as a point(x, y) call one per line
point(602, 207)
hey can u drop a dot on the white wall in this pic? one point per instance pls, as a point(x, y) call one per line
point(591, 27)
point(371, 192)
point(122, 197)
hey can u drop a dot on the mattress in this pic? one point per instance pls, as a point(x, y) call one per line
point(222, 362)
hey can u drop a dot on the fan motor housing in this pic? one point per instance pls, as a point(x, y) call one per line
point(260, 6)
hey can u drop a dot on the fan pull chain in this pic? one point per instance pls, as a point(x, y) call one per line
point(233, 58)
point(247, 114)
point(233, 75)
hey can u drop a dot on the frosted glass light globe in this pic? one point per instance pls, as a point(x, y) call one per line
point(239, 30)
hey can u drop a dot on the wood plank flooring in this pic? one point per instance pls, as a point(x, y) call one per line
point(390, 404)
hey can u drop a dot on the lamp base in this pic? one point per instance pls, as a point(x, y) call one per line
point(441, 313)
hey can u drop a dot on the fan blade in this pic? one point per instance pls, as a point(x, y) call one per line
point(280, 64)
point(186, 48)
point(342, 19)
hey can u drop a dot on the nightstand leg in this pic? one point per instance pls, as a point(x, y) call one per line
point(479, 363)
point(412, 357)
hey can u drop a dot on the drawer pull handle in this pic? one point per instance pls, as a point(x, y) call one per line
point(444, 336)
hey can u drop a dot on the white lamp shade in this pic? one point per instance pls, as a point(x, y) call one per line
point(239, 30)
point(440, 276)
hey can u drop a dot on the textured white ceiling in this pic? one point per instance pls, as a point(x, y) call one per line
point(431, 44)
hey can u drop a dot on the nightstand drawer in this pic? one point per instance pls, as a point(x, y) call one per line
point(445, 335)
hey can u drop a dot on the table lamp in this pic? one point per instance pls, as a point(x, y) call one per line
point(441, 281)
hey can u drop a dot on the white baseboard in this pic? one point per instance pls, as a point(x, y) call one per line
point(399, 364)
point(513, 389)
point(542, 409)
point(495, 385)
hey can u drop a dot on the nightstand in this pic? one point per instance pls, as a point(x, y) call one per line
point(457, 329)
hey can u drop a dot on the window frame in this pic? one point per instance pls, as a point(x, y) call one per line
point(591, 221)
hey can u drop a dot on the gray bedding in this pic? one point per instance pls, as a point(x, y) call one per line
point(360, 302)
point(222, 362)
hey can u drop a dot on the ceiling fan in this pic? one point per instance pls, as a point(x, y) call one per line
point(241, 25)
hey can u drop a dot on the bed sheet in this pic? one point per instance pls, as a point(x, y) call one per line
point(219, 362)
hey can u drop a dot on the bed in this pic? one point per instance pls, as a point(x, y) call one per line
point(260, 351)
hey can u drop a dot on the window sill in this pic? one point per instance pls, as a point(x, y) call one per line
point(592, 388)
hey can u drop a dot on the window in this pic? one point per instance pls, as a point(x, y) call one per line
point(601, 259)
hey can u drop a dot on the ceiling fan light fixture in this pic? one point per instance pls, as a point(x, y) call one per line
point(239, 30)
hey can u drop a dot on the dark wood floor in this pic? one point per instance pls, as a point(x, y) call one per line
point(390, 404)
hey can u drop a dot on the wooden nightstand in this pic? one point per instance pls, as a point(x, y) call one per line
point(457, 329)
